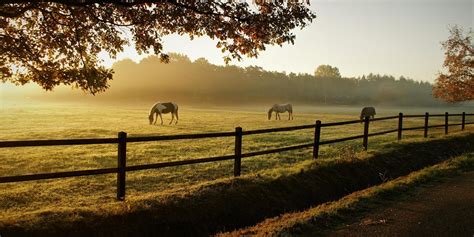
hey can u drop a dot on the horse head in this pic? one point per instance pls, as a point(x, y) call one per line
point(150, 118)
point(270, 113)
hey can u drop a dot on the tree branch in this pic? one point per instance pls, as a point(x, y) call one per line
point(6, 12)
point(123, 3)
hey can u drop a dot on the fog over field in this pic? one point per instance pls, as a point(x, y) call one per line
point(199, 83)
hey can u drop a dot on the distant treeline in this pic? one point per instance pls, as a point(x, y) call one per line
point(200, 82)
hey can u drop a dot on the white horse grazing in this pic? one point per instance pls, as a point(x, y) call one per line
point(280, 108)
point(367, 112)
point(163, 108)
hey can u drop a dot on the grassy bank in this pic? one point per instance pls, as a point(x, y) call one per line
point(316, 221)
point(227, 203)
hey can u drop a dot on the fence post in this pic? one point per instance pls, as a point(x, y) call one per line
point(427, 115)
point(463, 121)
point(446, 116)
point(400, 126)
point(366, 132)
point(238, 151)
point(121, 164)
point(317, 136)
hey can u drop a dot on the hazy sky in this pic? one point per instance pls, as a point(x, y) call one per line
point(358, 36)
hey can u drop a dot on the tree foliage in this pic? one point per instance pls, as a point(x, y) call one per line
point(327, 71)
point(53, 42)
point(457, 84)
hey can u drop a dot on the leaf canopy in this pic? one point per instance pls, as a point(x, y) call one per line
point(457, 84)
point(58, 41)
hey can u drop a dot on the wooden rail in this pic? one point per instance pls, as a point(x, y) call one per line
point(58, 142)
point(284, 129)
point(180, 137)
point(178, 163)
point(122, 141)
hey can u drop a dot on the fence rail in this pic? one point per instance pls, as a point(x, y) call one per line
point(180, 137)
point(64, 142)
point(284, 129)
point(122, 141)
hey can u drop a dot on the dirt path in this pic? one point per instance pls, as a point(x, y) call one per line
point(445, 209)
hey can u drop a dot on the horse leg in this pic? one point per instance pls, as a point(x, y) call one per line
point(172, 118)
point(160, 118)
point(176, 117)
point(289, 115)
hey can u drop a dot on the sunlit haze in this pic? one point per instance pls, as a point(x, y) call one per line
point(364, 125)
point(357, 36)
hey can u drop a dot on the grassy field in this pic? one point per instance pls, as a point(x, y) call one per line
point(322, 219)
point(31, 121)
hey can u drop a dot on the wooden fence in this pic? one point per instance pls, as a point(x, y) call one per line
point(122, 141)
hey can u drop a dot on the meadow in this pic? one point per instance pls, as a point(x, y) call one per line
point(66, 121)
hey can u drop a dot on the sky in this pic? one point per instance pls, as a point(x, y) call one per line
point(394, 37)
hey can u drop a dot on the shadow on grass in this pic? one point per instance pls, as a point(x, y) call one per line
point(236, 203)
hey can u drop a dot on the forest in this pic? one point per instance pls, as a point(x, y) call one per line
point(199, 82)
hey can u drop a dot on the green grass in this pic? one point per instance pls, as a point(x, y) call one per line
point(317, 220)
point(27, 200)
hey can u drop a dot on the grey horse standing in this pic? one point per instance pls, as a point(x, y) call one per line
point(367, 112)
point(281, 108)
